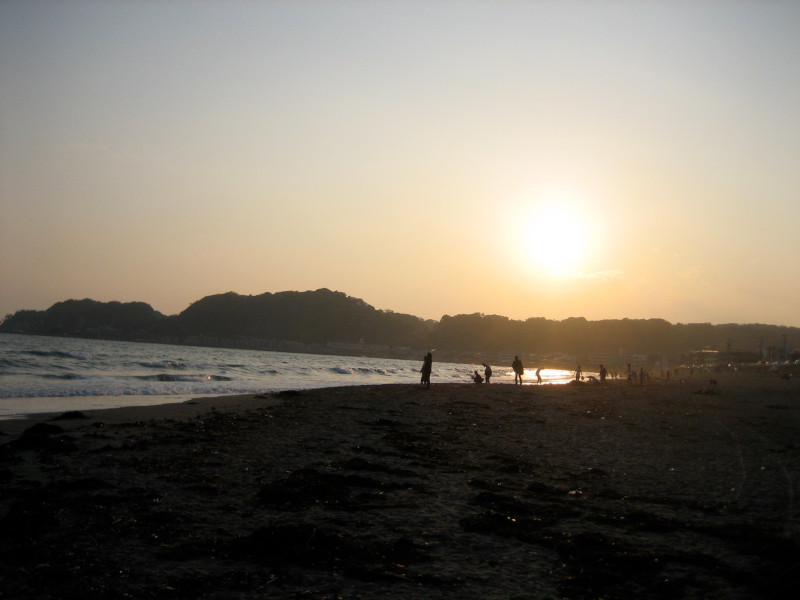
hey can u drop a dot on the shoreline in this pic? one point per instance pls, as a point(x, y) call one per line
point(190, 405)
point(460, 490)
point(189, 408)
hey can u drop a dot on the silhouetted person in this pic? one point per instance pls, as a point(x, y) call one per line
point(539, 375)
point(630, 373)
point(477, 378)
point(487, 372)
point(578, 373)
point(603, 374)
point(518, 370)
point(427, 367)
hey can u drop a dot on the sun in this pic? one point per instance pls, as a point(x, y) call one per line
point(555, 239)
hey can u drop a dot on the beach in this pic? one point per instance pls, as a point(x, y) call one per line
point(665, 490)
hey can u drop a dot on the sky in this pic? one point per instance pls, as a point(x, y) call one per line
point(598, 159)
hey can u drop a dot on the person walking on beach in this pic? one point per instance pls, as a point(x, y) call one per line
point(518, 370)
point(487, 372)
point(578, 373)
point(539, 376)
point(427, 367)
point(603, 374)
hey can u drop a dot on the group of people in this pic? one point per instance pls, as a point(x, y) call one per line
point(643, 374)
point(603, 372)
point(516, 365)
point(519, 370)
point(487, 374)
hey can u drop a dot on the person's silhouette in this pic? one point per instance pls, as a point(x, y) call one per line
point(427, 367)
point(518, 370)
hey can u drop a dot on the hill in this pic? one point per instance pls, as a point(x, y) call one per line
point(328, 321)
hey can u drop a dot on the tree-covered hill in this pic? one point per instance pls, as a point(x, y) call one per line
point(86, 317)
point(307, 317)
point(314, 317)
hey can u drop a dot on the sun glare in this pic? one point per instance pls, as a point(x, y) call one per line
point(555, 240)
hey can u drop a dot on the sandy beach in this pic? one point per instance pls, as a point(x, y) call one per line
point(394, 491)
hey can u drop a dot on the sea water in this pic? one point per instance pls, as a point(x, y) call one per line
point(53, 374)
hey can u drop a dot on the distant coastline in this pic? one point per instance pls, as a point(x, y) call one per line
point(327, 322)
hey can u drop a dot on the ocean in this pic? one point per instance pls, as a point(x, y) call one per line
point(40, 374)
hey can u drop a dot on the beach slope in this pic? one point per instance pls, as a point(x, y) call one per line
point(458, 491)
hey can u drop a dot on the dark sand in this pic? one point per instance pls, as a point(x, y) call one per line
point(460, 491)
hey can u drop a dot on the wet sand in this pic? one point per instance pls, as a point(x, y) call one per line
point(459, 491)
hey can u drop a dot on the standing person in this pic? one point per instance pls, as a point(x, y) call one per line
point(539, 376)
point(487, 372)
point(578, 373)
point(427, 367)
point(603, 374)
point(518, 370)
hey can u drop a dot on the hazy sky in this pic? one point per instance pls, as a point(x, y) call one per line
point(545, 158)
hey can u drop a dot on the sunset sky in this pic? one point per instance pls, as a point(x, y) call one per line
point(606, 159)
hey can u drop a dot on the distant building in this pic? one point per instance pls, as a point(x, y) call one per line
point(703, 358)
